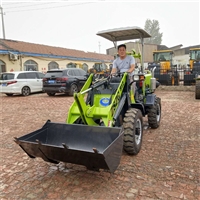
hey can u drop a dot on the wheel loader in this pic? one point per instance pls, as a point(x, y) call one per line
point(194, 67)
point(99, 70)
point(165, 70)
point(197, 87)
point(105, 119)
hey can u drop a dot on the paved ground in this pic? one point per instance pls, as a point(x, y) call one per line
point(167, 167)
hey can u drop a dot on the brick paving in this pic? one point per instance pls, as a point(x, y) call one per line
point(167, 167)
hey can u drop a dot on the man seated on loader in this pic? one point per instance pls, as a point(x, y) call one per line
point(124, 63)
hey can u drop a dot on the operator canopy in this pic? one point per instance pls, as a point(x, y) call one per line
point(127, 33)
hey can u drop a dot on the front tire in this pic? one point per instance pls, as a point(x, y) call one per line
point(197, 89)
point(26, 91)
point(154, 114)
point(73, 89)
point(133, 131)
point(51, 94)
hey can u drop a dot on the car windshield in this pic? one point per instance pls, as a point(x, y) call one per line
point(7, 76)
point(53, 74)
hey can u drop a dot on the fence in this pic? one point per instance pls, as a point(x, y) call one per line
point(177, 76)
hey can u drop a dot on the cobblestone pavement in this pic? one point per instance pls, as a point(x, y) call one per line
point(167, 167)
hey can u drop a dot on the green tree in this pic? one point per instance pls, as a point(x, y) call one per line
point(153, 28)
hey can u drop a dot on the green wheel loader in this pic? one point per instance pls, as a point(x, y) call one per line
point(105, 118)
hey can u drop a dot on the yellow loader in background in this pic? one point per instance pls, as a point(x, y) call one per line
point(166, 72)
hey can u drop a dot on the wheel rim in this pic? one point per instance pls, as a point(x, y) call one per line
point(74, 88)
point(138, 131)
point(25, 91)
point(158, 113)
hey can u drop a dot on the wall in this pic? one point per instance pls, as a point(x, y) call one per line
point(148, 50)
point(42, 62)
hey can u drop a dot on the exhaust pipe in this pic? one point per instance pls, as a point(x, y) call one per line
point(153, 81)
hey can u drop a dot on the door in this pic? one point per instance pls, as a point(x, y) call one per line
point(33, 82)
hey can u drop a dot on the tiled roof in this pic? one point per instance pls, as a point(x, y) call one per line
point(26, 47)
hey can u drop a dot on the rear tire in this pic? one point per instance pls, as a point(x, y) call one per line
point(197, 89)
point(9, 94)
point(51, 94)
point(73, 89)
point(154, 114)
point(133, 131)
point(26, 91)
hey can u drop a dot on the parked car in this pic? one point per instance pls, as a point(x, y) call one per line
point(66, 81)
point(21, 82)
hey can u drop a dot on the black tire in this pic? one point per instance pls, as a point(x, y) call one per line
point(133, 131)
point(26, 91)
point(197, 89)
point(9, 94)
point(154, 114)
point(73, 89)
point(51, 93)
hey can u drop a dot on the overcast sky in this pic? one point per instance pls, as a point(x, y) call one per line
point(74, 24)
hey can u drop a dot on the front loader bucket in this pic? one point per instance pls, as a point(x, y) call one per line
point(95, 147)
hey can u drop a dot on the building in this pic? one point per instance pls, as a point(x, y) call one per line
point(180, 58)
point(19, 56)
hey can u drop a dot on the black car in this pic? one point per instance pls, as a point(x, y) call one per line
point(66, 81)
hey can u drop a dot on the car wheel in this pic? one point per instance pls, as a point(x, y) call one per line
point(51, 94)
point(73, 89)
point(9, 94)
point(26, 91)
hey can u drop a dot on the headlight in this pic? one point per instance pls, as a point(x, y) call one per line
point(135, 77)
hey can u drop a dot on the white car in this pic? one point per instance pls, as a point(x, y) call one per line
point(21, 82)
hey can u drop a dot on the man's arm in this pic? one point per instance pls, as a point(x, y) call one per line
point(132, 68)
point(114, 71)
point(114, 67)
point(132, 64)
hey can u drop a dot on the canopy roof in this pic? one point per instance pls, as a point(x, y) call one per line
point(126, 33)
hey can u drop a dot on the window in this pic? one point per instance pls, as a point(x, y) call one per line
point(71, 73)
point(71, 65)
point(40, 75)
point(2, 66)
point(31, 75)
point(85, 67)
point(53, 65)
point(195, 54)
point(30, 65)
point(7, 76)
point(53, 74)
point(81, 73)
point(21, 76)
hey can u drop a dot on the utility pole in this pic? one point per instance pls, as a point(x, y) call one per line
point(3, 29)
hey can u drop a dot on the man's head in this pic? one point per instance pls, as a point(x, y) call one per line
point(122, 50)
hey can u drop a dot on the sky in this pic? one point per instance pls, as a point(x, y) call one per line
point(74, 24)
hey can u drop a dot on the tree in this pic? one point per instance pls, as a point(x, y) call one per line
point(152, 27)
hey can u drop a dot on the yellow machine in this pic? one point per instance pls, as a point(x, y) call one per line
point(165, 72)
point(194, 64)
point(194, 57)
point(164, 57)
point(83, 66)
point(99, 68)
